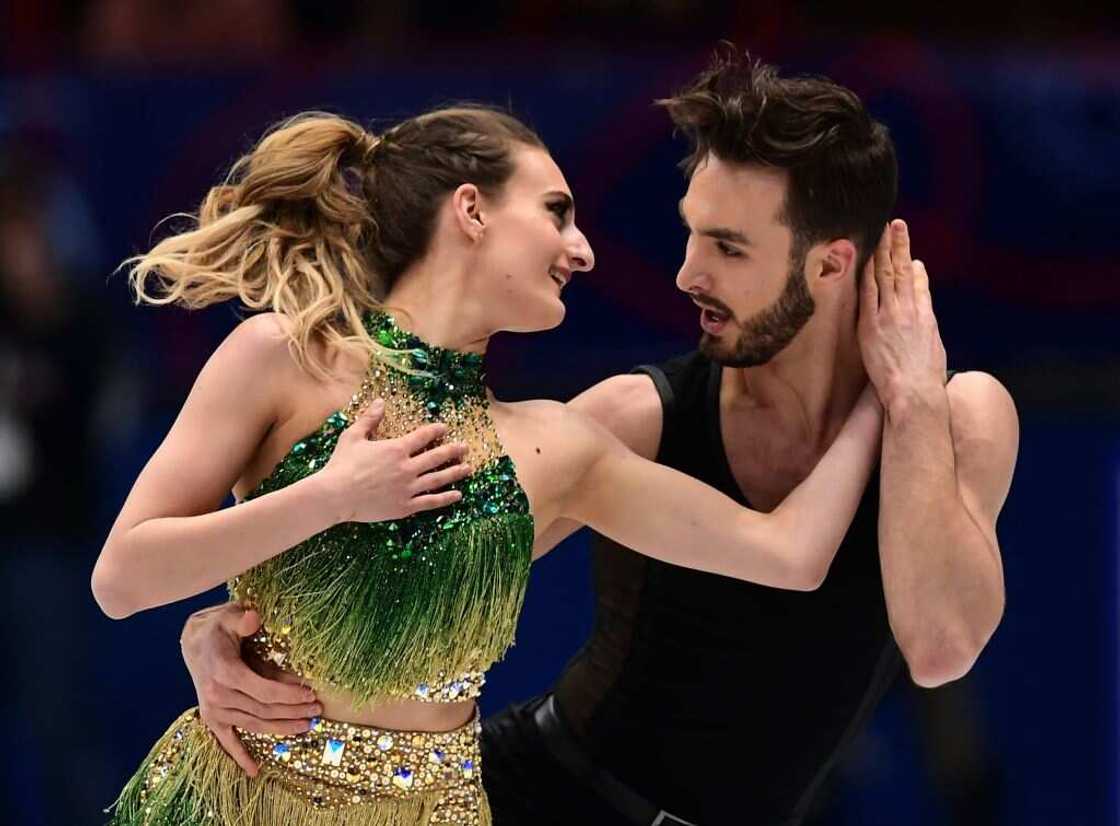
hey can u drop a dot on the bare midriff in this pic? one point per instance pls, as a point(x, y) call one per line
point(400, 715)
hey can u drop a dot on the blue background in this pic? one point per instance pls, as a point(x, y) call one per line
point(1008, 178)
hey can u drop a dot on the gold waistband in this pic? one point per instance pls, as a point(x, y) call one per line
point(339, 764)
point(337, 774)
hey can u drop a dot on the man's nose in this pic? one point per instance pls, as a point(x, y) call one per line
point(690, 277)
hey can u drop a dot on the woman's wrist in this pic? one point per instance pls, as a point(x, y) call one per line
point(319, 498)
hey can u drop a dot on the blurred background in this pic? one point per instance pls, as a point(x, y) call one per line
point(115, 113)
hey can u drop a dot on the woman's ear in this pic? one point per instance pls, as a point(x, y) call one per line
point(466, 205)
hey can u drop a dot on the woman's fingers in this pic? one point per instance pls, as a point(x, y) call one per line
point(233, 746)
point(422, 436)
point(440, 478)
point(438, 457)
point(434, 501)
point(367, 422)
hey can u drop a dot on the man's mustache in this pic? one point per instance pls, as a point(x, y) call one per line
point(712, 303)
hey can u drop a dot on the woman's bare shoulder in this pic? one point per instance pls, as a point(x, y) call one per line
point(261, 340)
point(556, 428)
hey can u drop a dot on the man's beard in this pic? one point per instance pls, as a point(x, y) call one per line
point(769, 331)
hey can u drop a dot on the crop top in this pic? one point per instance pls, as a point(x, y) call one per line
point(413, 608)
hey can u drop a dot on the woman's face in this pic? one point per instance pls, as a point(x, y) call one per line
point(530, 246)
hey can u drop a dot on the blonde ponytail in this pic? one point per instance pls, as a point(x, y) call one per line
point(288, 231)
point(322, 217)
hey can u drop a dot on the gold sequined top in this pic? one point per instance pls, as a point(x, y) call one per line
point(412, 608)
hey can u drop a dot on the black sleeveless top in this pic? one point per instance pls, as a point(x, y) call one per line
point(726, 702)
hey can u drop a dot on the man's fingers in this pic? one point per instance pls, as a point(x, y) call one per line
point(900, 260)
point(884, 273)
point(247, 681)
point(438, 457)
point(232, 698)
point(233, 618)
point(250, 723)
point(432, 501)
point(233, 746)
point(423, 436)
point(900, 245)
point(248, 624)
point(921, 286)
point(869, 293)
point(440, 478)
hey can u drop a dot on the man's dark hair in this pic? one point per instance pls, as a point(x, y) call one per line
point(843, 175)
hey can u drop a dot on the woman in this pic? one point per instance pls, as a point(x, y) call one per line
point(386, 263)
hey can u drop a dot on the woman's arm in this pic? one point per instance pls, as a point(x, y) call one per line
point(171, 541)
point(670, 516)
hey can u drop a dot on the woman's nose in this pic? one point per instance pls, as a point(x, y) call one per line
point(581, 255)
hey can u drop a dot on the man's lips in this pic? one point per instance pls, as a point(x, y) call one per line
point(718, 313)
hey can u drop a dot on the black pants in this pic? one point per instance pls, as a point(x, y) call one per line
point(526, 786)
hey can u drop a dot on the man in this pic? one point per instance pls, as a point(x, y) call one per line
point(699, 699)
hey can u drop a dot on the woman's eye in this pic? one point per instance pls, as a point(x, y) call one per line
point(559, 208)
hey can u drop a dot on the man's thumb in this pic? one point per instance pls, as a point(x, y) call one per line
point(248, 623)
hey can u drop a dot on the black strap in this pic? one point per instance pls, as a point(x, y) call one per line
point(664, 390)
point(567, 752)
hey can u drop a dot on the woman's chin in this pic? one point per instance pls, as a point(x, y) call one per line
point(544, 316)
point(560, 313)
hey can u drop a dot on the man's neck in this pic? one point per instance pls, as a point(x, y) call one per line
point(810, 387)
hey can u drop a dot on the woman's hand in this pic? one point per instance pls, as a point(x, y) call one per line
point(371, 480)
point(232, 694)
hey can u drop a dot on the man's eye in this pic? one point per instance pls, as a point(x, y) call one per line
point(728, 250)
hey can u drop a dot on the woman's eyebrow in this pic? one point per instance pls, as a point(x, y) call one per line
point(569, 204)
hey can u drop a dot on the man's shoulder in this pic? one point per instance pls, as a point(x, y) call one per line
point(629, 406)
point(683, 383)
point(678, 367)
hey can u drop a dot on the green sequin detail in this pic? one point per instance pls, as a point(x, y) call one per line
point(378, 608)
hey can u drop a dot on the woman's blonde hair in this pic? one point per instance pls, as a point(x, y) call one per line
point(319, 220)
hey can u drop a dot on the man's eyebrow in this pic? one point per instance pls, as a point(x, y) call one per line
point(725, 234)
point(719, 233)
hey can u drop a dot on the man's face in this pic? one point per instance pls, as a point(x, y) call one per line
point(739, 266)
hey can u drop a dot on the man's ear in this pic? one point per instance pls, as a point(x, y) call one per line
point(466, 205)
point(838, 259)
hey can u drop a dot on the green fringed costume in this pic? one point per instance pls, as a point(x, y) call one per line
point(415, 608)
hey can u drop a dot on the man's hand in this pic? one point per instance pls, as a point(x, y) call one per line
point(898, 335)
point(232, 694)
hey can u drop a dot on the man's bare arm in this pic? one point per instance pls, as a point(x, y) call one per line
point(947, 464)
point(948, 457)
point(630, 408)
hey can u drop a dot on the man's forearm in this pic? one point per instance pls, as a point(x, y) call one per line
point(941, 571)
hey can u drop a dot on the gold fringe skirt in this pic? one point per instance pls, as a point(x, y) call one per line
point(336, 774)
